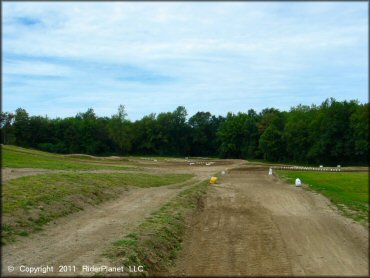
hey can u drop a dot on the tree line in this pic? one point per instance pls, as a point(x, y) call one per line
point(331, 133)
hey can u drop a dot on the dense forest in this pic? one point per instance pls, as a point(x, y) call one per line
point(331, 133)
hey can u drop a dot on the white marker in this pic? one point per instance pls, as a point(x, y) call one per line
point(298, 182)
point(270, 171)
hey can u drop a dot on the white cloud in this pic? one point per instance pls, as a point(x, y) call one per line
point(211, 49)
point(36, 68)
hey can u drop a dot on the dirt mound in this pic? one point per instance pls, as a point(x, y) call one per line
point(13, 173)
point(83, 156)
point(250, 168)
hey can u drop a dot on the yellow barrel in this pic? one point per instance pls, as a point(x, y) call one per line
point(213, 180)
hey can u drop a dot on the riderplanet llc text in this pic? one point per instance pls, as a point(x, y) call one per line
point(44, 269)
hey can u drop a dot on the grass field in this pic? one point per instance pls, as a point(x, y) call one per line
point(30, 202)
point(348, 191)
point(16, 157)
point(156, 242)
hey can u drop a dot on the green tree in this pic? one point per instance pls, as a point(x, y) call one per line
point(6, 127)
point(297, 133)
point(22, 128)
point(330, 132)
point(39, 130)
point(119, 130)
point(203, 134)
point(359, 125)
point(238, 135)
point(272, 144)
point(145, 135)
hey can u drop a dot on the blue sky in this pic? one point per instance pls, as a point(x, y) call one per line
point(62, 58)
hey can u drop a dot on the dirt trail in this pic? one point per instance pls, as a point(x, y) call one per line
point(250, 224)
point(81, 238)
point(14, 173)
point(151, 168)
point(253, 224)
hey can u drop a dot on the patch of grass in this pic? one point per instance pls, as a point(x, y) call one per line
point(349, 191)
point(80, 156)
point(16, 157)
point(156, 242)
point(30, 202)
point(27, 150)
point(23, 233)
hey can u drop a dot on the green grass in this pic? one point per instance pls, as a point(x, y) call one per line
point(15, 157)
point(30, 202)
point(80, 156)
point(347, 190)
point(27, 151)
point(155, 243)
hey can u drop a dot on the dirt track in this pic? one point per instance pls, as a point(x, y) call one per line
point(250, 224)
point(81, 238)
point(14, 173)
point(253, 224)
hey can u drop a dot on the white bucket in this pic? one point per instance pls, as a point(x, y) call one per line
point(270, 172)
point(298, 182)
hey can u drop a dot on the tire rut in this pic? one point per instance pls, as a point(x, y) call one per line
point(253, 224)
point(232, 236)
point(81, 238)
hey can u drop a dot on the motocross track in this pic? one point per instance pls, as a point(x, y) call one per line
point(254, 224)
point(81, 238)
point(248, 224)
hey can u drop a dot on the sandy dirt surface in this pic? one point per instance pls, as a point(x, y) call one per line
point(14, 173)
point(177, 166)
point(81, 238)
point(249, 224)
point(254, 224)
